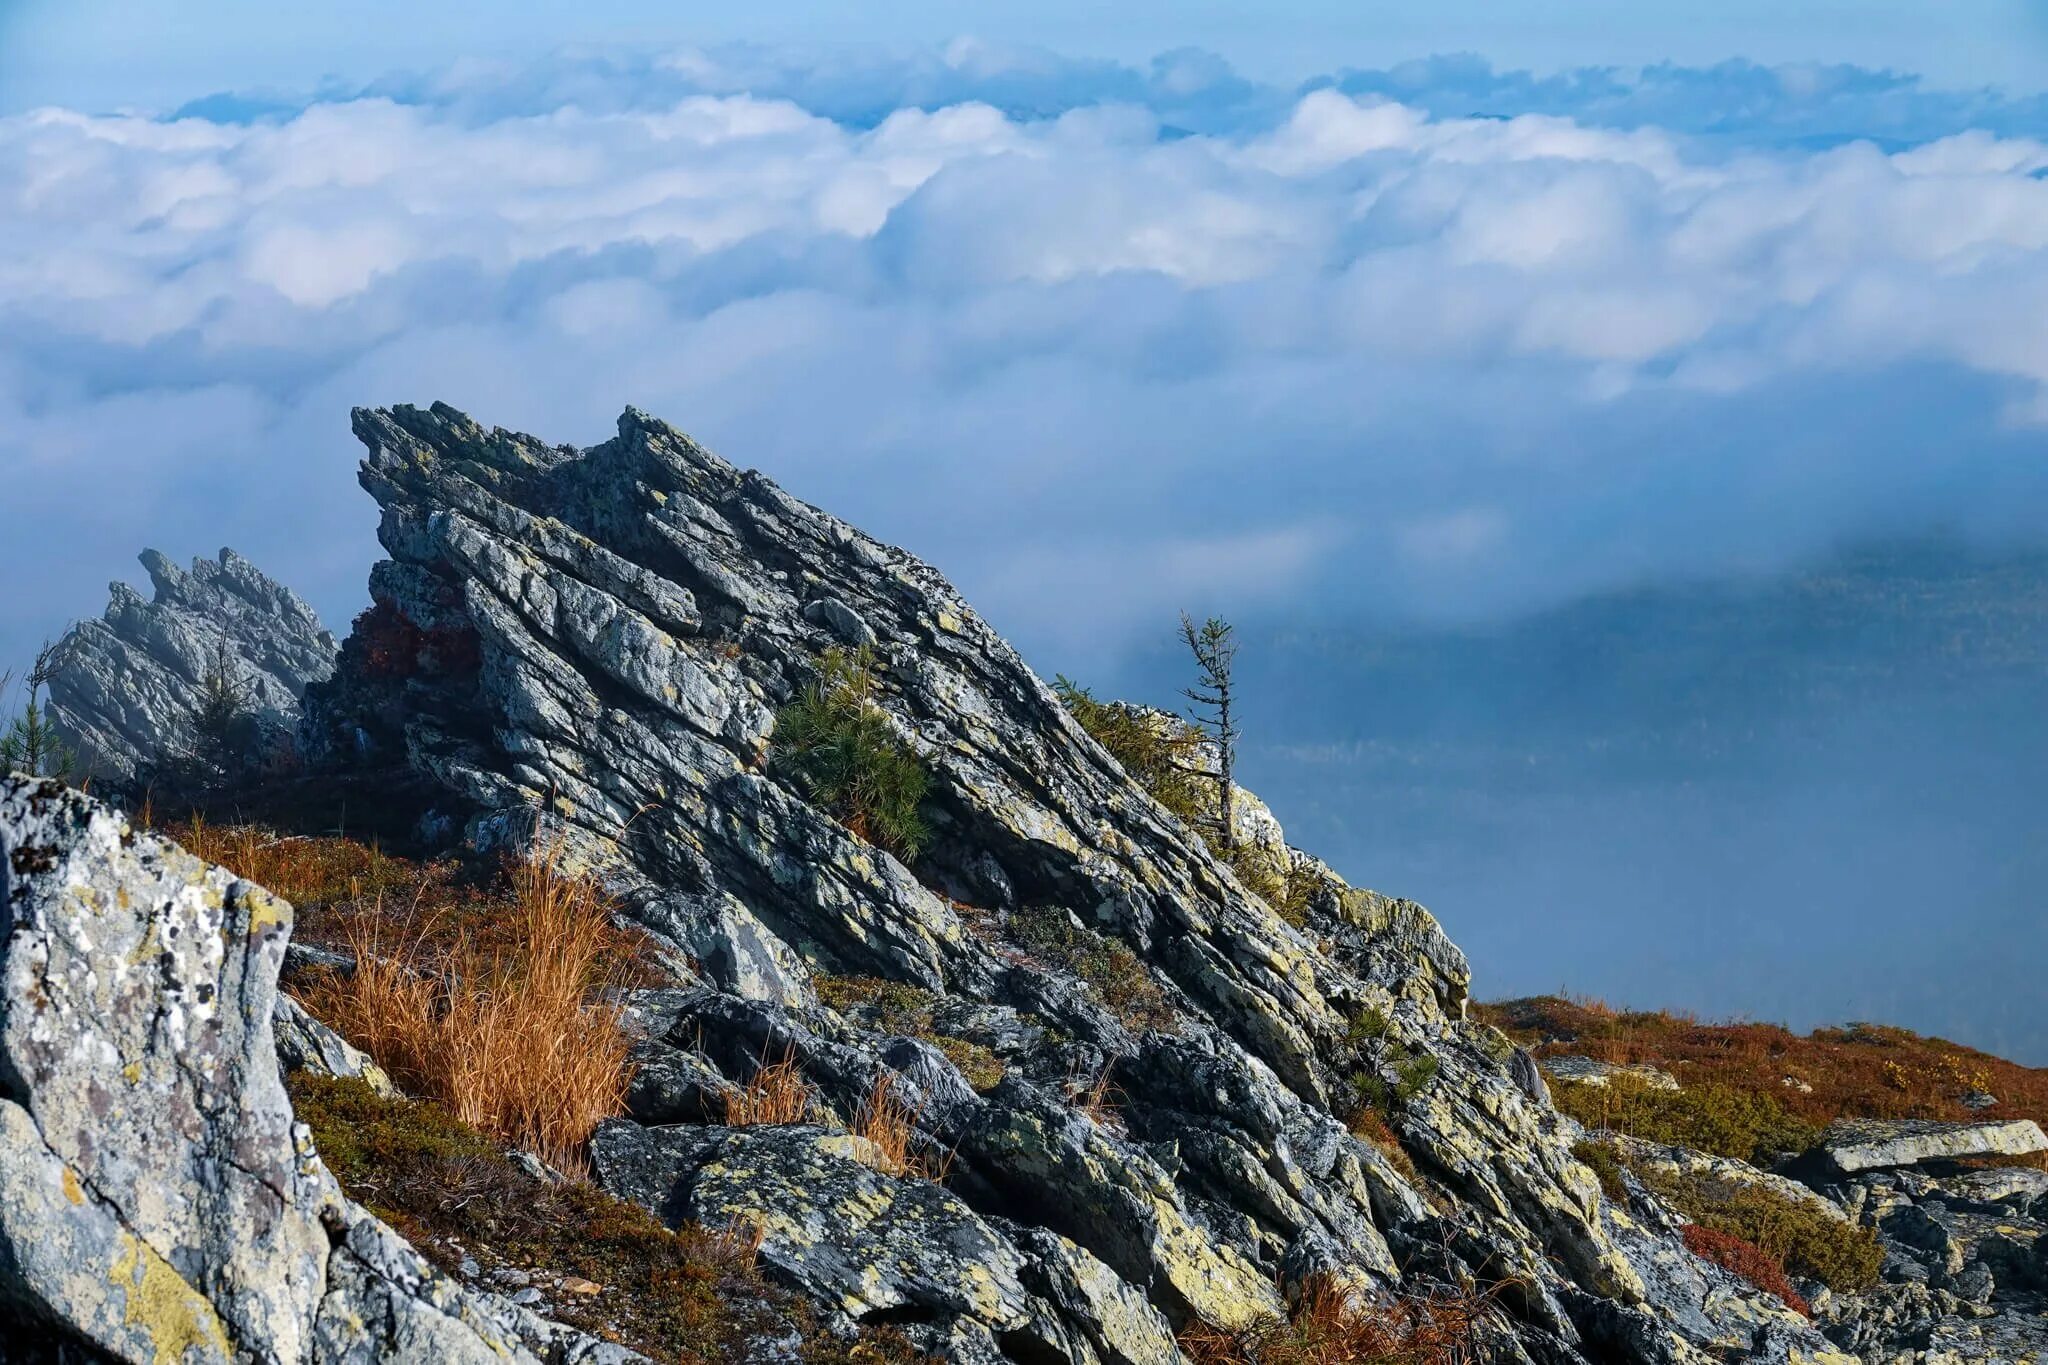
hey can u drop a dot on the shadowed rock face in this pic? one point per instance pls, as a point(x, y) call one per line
point(157, 1203)
point(126, 686)
point(598, 640)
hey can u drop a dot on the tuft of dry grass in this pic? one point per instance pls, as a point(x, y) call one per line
point(777, 1094)
point(1328, 1326)
point(518, 1038)
point(890, 1122)
point(1096, 1101)
point(1371, 1125)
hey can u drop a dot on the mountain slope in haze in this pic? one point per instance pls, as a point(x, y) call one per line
point(1814, 798)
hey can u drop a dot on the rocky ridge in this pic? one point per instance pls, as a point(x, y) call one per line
point(1136, 1074)
point(126, 686)
point(603, 637)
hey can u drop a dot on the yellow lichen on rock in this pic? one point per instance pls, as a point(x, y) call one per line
point(175, 1317)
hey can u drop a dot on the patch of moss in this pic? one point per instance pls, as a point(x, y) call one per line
point(896, 1006)
point(692, 1295)
point(901, 1008)
point(1605, 1163)
point(982, 1068)
point(1116, 974)
point(1707, 1117)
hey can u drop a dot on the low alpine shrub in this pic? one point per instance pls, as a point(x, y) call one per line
point(1707, 1117)
point(839, 747)
point(1797, 1236)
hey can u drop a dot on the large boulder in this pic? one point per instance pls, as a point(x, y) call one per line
point(126, 687)
point(157, 1201)
point(1871, 1144)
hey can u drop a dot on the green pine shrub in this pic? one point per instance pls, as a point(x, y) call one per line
point(837, 745)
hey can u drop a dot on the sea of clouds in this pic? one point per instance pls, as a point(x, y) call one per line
point(1101, 341)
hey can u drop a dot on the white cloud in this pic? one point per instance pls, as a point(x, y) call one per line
point(1242, 360)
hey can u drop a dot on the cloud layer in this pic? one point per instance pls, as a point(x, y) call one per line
point(1100, 342)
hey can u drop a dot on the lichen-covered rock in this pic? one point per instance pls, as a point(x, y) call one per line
point(1721, 1173)
point(125, 687)
point(1590, 1071)
point(157, 1202)
point(595, 644)
point(1870, 1144)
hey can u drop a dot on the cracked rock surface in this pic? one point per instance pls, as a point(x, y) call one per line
point(157, 1201)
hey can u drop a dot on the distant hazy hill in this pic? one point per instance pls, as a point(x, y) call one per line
point(1812, 798)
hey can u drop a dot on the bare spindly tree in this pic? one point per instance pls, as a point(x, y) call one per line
point(218, 715)
point(1214, 647)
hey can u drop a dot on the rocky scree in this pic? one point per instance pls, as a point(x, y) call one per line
point(592, 646)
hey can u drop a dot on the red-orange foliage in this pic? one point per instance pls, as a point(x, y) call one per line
point(1748, 1260)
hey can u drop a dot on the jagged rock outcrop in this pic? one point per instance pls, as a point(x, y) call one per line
point(597, 641)
point(157, 1202)
point(1965, 1276)
point(125, 687)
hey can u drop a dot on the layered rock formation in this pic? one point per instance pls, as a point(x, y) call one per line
point(157, 1202)
point(127, 686)
point(1131, 1074)
point(598, 640)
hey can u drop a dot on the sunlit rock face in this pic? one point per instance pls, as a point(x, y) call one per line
point(157, 1201)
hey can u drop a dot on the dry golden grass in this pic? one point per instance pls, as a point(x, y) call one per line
point(890, 1122)
point(517, 1038)
point(777, 1094)
point(1370, 1124)
point(1327, 1327)
point(309, 872)
point(1096, 1101)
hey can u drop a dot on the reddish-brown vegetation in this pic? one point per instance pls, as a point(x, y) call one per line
point(392, 646)
point(1746, 1259)
point(1859, 1070)
point(1329, 1327)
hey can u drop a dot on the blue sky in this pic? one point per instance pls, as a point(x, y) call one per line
point(98, 52)
point(1333, 316)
